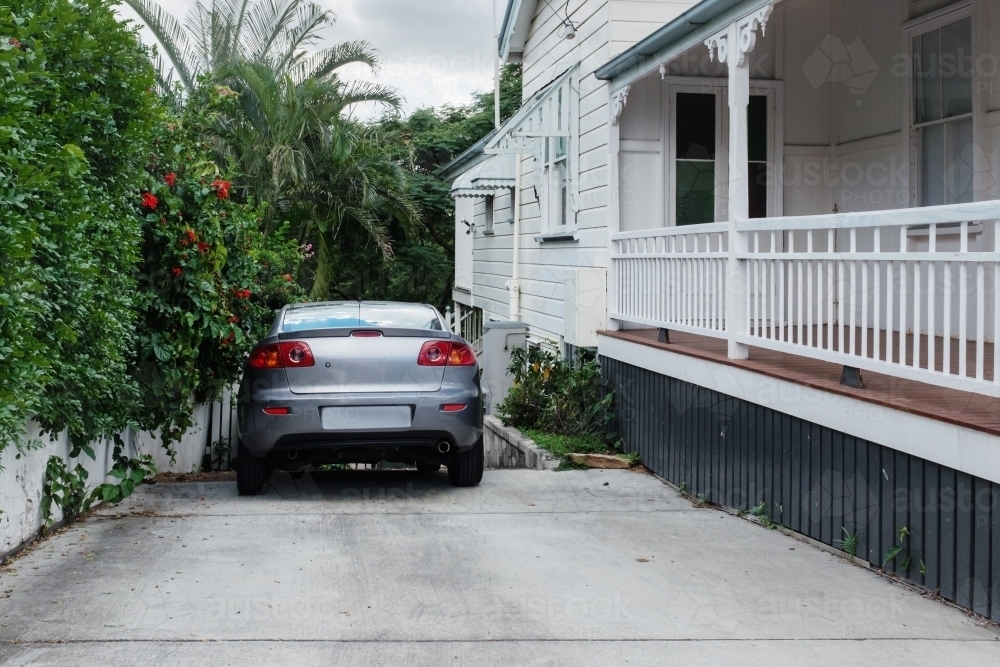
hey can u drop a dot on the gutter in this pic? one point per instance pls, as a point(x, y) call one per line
point(463, 158)
point(501, 37)
point(702, 13)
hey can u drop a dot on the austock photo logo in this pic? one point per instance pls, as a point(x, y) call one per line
point(835, 62)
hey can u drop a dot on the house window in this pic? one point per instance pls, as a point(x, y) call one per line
point(942, 101)
point(489, 214)
point(695, 168)
point(757, 155)
point(695, 164)
point(555, 181)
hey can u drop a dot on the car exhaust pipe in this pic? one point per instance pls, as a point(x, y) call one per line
point(444, 446)
point(292, 455)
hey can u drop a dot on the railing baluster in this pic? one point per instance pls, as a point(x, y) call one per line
point(809, 289)
point(917, 299)
point(864, 309)
point(877, 310)
point(854, 290)
point(890, 288)
point(980, 320)
point(963, 306)
point(931, 312)
point(831, 247)
point(903, 324)
point(946, 313)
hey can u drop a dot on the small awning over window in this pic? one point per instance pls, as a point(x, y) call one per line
point(486, 177)
point(546, 114)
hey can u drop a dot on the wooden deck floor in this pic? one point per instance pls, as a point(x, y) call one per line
point(974, 411)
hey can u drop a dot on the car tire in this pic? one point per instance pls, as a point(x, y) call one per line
point(466, 468)
point(252, 473)
point(428, 467)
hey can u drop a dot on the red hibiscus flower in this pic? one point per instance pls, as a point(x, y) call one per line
point(287, 277)
point(203, 247)
point(233, 320)
point(149, 201)
point(221, 188)
point(170, 179)
point(177, 271)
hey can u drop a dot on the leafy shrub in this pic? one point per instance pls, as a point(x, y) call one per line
point(124, 298)
point(555, 395)
point(76, 110)
point(209, 280)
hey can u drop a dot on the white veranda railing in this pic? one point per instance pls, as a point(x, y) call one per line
point(911, 293)
point(673, 278)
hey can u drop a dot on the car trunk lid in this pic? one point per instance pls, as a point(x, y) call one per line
point(364, 360)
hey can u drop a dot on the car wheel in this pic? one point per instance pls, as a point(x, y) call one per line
point(466, 468)
point(252, 473)
point(428, 467)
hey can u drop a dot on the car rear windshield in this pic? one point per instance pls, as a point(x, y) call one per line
point(349, 315)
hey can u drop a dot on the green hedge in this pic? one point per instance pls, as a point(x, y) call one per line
point(116, 310)
point(76, 113)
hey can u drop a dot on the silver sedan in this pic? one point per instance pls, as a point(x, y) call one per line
point(360, 382)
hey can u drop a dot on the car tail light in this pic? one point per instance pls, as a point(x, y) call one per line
point(446, 353)
point(277, 411)
point(266, 356)
point(452, 407)
point(296, 354)
point(366, 334)
point(287, 354)
point(461, 355)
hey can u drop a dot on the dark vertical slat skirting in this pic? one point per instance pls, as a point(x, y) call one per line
point(817, 482)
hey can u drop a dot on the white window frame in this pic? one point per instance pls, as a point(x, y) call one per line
point(489, 204)
point(774, 91)
point(556, 209)
point(913, 29)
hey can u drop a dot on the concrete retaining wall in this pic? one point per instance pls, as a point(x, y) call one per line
point(22, 478)
point(506, 448)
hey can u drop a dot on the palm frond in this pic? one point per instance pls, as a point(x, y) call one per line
point(265, 22)
point(171, 36)
point(358, 92)
point(330, 60)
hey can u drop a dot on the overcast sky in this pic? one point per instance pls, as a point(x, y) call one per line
point(434, 51)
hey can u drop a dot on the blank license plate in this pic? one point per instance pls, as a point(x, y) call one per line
point(370, 417)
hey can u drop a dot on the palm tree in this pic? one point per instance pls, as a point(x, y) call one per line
point(296, 150)
point(275, 32)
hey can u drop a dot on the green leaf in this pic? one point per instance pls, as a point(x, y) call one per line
point(891, 555)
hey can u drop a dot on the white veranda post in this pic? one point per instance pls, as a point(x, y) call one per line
point(733, 45)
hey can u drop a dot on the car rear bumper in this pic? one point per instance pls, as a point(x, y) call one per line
point(302, 431)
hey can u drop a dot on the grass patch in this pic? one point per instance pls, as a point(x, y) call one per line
point(564, 445)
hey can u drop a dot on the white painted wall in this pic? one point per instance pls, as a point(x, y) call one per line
point(464, 212)
point(604, 28)
point(22, 478)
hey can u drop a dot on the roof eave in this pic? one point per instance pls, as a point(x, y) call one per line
point(694, 18)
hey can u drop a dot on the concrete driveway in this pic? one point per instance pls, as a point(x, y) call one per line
point(398, 568)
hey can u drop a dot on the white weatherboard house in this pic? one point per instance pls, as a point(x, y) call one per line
point(552, 156)
point(795, 208)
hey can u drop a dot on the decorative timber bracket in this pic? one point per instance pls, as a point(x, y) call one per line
point(746, 37)
point(618, 102)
